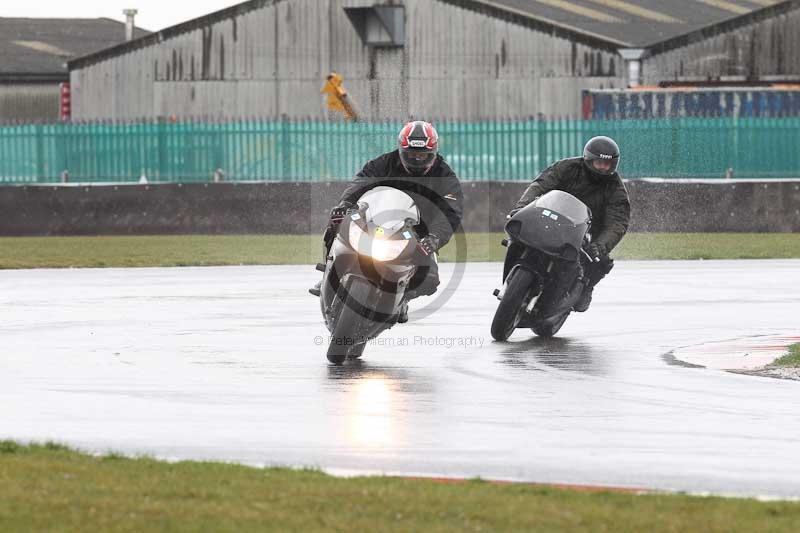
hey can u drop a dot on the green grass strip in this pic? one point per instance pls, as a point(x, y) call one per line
point(204, 250)
point(792, 359)
point(709, 246)
point(50, 488)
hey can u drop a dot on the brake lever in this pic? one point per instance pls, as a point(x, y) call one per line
point(589, 257)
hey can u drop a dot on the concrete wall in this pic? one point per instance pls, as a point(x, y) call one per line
point(301, 208)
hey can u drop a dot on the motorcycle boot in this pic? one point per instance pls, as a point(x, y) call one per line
point(316, 290)
point(585, 300)
point(402, 317)
point(594, 272)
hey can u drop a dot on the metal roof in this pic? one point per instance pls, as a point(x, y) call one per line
point(38, 49)
point(627, 23)
point(170, 32)
point(606, 24)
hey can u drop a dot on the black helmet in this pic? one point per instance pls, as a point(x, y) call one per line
point(419, 144)
point(601, 149)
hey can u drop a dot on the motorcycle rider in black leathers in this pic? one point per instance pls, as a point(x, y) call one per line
point(417, 169)
point(594, 180)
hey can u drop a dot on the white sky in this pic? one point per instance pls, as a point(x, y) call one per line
point(153, 14)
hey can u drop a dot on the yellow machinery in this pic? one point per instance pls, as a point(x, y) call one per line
point(337, 97)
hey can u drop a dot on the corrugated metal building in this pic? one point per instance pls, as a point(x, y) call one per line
point(33, 56)
point(446, 59)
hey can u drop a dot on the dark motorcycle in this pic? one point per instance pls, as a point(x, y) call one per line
point(543, 277)
point(367, 272)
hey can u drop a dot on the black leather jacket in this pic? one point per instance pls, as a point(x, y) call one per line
point(606, 197)
point(437, 194)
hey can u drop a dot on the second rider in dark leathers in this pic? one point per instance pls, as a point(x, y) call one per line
point(417, 169)
point(594, 180)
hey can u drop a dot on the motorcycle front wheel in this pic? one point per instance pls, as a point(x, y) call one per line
point(346, 341)
point(509, 312)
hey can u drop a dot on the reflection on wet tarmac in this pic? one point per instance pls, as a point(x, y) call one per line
point(368, 399)
point(403, 379)
point(369, 413)
point(559, 352)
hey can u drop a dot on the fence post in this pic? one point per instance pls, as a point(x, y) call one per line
point(541, 145)
point(225, 130)
point(675, 148)
point(161, 147)
point(40, 166)
point(285, 161)
point(60, 135)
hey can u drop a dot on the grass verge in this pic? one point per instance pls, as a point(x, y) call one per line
point(790, 360)
point(48, 487)
point(204, 250)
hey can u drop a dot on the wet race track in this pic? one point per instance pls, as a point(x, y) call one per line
point(225, 364)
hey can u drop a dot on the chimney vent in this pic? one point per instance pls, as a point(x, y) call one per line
point(130, 16)
point(633, 59)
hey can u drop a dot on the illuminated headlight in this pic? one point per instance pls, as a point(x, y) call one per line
point(387, 250)
point(378, 249)
point(356, 237)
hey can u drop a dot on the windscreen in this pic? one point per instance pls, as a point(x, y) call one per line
point(389, 207)
point(564, 204)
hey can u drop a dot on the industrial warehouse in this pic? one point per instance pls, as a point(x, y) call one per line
point(496, 60)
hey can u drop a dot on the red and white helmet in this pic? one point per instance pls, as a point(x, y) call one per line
point(419, 144)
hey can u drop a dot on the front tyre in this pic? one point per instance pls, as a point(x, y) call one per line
point(346, 340)
point(511, 308)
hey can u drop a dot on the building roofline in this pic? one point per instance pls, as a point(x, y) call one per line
point(509, 14)
point(557, 29)
point(122, 22)
point(486, 7)
point(33, 77)
point(718, 28)
point(168, 33)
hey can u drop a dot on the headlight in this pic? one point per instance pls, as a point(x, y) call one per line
point(356, 236)
point(378, 249)
point(387, 250)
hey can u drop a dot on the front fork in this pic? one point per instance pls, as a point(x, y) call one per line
point(519, 257)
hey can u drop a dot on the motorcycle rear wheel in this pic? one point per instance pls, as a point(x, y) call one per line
point(550, 327)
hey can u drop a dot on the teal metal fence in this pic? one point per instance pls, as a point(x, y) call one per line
point(321, 151)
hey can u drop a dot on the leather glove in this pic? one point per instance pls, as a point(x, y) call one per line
point(596, 251)
point(429, 244)
point(340, 211)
